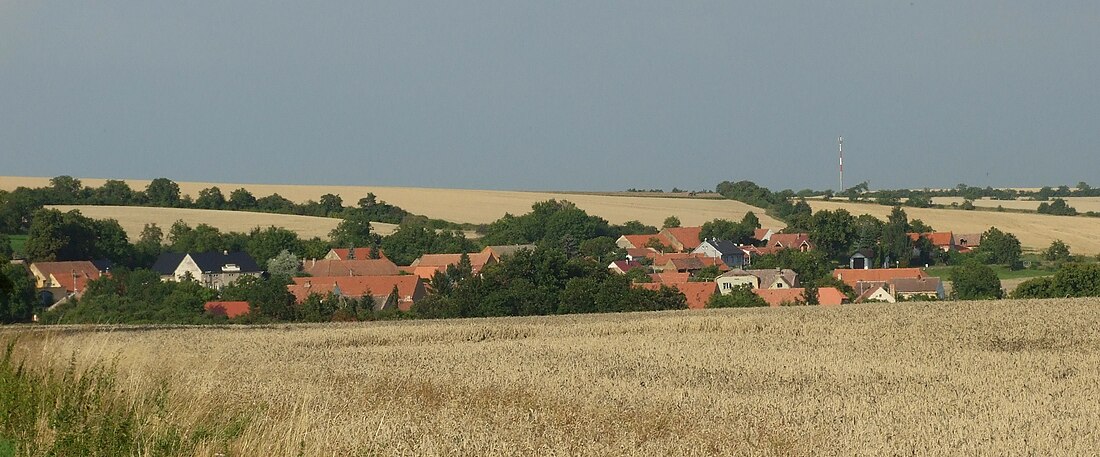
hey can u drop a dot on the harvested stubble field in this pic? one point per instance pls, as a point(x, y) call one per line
point(1035, 231)
point(474, 206)
point(961, 378)
point(1081, 204)
point(133, 219)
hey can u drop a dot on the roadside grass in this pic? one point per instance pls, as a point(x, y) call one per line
point(87, 411)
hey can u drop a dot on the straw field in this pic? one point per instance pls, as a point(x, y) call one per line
point(475, 206)
point(1081, 204)
point(1035, 231)
point(961, 378)
point(133, 219)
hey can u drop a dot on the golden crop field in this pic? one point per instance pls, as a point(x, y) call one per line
point(134, 218)
point(959, 378)
point(1035, 231)
point(474, 206)
point(1081, 204)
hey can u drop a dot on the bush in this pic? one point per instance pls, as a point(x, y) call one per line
point(975, 281)
point(740, 297)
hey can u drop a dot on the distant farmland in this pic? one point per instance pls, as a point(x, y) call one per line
point(1035, 231)
point(476, 206)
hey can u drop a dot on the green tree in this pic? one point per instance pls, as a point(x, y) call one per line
point(1057, 252)
point(602, 249)
point(114, 192)
point(332, 204)
point(740, 297)
point(163, 192)
point(284, 264)
point(268, 298)
point(724, 229)
point(1041, 287)
point(1076, 280)
point(671, 222)
point(242, 199)
point(895, 238)
point(57, 236)
point(1000, 248)
point(264, 244)
point(66, 189)
point(211, 198)
point(354, 230)
point(833, 232)
point(6, 251)
point(975, 281)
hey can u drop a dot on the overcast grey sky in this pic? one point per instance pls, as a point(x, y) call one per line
point(578, 95)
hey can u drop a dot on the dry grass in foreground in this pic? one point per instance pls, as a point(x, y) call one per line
point(474, 206)
point(134, 218)
point(1002, 378)
point(1035, 231)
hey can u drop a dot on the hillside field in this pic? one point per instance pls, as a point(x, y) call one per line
point(134, 218)
point(475, 206)
point(1035, 231)
point(962, 378)
point(1081, 204)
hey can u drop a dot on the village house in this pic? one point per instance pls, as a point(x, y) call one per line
point(968, 242)
point(697, 293)
point(499, 252)
point(364, 267)
point(797, 241)
point(692, 264)
point(876, 292)
point(670, 277)
point(58, 281)
point(621, 267)
point(410, 289)
point(862, 259)
point(355, 254)
point(428, 264)
point(826, 296)
point(853, 278)
point(762, 234)
point(944, 241)
point(211, 269)
point(229, 309)
point(682, 239)
point(640, 241)
point(757, 279)
point(730, 254)
point(916, 288)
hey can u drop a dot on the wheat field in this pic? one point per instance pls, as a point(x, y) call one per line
point(961, 378)
point(1081, 204)
point(133, 219)
point(1035, 231)
point(474, 206)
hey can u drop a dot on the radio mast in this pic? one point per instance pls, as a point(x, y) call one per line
point(840, 146)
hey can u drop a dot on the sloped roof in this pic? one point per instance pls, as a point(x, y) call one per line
point(477, 260)
point(360, 253)
point(228, 309)
point(777, 297)
point(761, 234)
point(688, 236)
point(507, 250)
point(851, 277)
point(639, 241)
point(378, 287)
point(625, 265)
point(697, 293)
point(215, 262)
point(670, 277)
point(789, 240)
point(829, 296)
point(365, 267)
point(969, 239)
point(167, 262)
point(641, 252)
point(939, 239)
point(871, 291)
point(767, 275)
point(73, 276)
point(725, 247)
point(915, 285)
point(697, 262)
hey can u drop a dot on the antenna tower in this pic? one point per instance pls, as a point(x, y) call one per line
point(840, 146)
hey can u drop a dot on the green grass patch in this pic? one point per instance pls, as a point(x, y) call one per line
point(87, 414)
point(17, 244)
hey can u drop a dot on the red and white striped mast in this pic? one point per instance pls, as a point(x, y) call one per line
point(840, 145)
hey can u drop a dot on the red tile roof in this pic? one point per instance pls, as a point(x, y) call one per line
point(365, 267)
point(670, 277)
point(73, 276)
point(641, 252)
point(777, 297)
point(829, 296)
point(640, 241)
point(478, 260)
point(625, 265)
point(360, 253)
point(409, 287)
point(697, 293)
point(853, 277)
point(938, 239)
point(789, 240)
point(228, 309)
point(688, 236)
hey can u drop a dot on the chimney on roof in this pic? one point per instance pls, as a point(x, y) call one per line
point(308, 284)
point(225, 252)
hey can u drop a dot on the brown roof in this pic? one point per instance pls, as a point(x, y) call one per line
point(789, 240)
point(228, 309)
point(477, 260)
point(641, 252)
point(696, 263)
point(73, 276)
point(409, 287)
point(852, 277)
point(640, 241)
point(511, 249)
point(760, 233)
point(767, 276)
point(365, 267)
point(697, 293)
point(829, 296)
point(938, 239)
point(915, 285)
point(670, 277)
point(870, 291)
